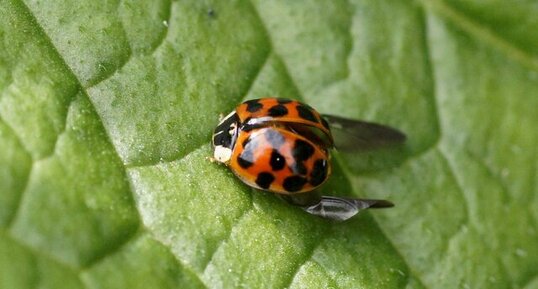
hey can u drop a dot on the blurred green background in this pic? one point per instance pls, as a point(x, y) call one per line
point(106, 112)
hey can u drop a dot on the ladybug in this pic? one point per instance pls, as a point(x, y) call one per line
point(283, 146)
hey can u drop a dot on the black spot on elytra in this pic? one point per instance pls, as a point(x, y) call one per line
point(264, 180)
point(278, 110)
point(284, 100)
point(294, 183)
point(277, 161)
point(306, 113)
point(245, 159)
point(253, 105)
point(302, 150)
point(319, 172)
point(275, 138)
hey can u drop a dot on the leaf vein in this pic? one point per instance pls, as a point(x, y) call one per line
point(12, 218)
point(63, 62)
point(225, 240)
point(466, 201)
point(35, 252)
point(307, 256)
point(165, 33)
point(490, 172)
point(48, 41)
point(183, 265)
point(462, 21)
point(64, 129)
point(130, 52)
point(11, 222)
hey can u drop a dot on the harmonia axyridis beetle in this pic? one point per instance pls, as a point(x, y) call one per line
point(283, 146)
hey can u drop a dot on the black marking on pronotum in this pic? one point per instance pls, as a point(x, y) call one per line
point(221, 134)
point(264, 180)
point(277, 161)
point(302, 150)
point(319, 172)
point(278, 110)
point(294, 183)
point(306, 113)
point(275, 138)
point(253, 105)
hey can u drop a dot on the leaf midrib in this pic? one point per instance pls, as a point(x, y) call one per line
point(481, 32)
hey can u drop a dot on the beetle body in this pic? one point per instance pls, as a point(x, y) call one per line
point(283, 146)
point(270, 144)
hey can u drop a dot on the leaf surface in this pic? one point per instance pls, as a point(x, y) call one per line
point(106, 112)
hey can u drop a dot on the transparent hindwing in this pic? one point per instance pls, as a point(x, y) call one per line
point(352, 135)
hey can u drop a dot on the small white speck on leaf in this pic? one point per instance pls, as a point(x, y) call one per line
point(521, 253)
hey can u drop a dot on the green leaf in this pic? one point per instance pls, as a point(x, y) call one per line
point(106, 112)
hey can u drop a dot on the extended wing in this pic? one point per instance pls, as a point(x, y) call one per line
point(341, 209)
point(351, 135)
